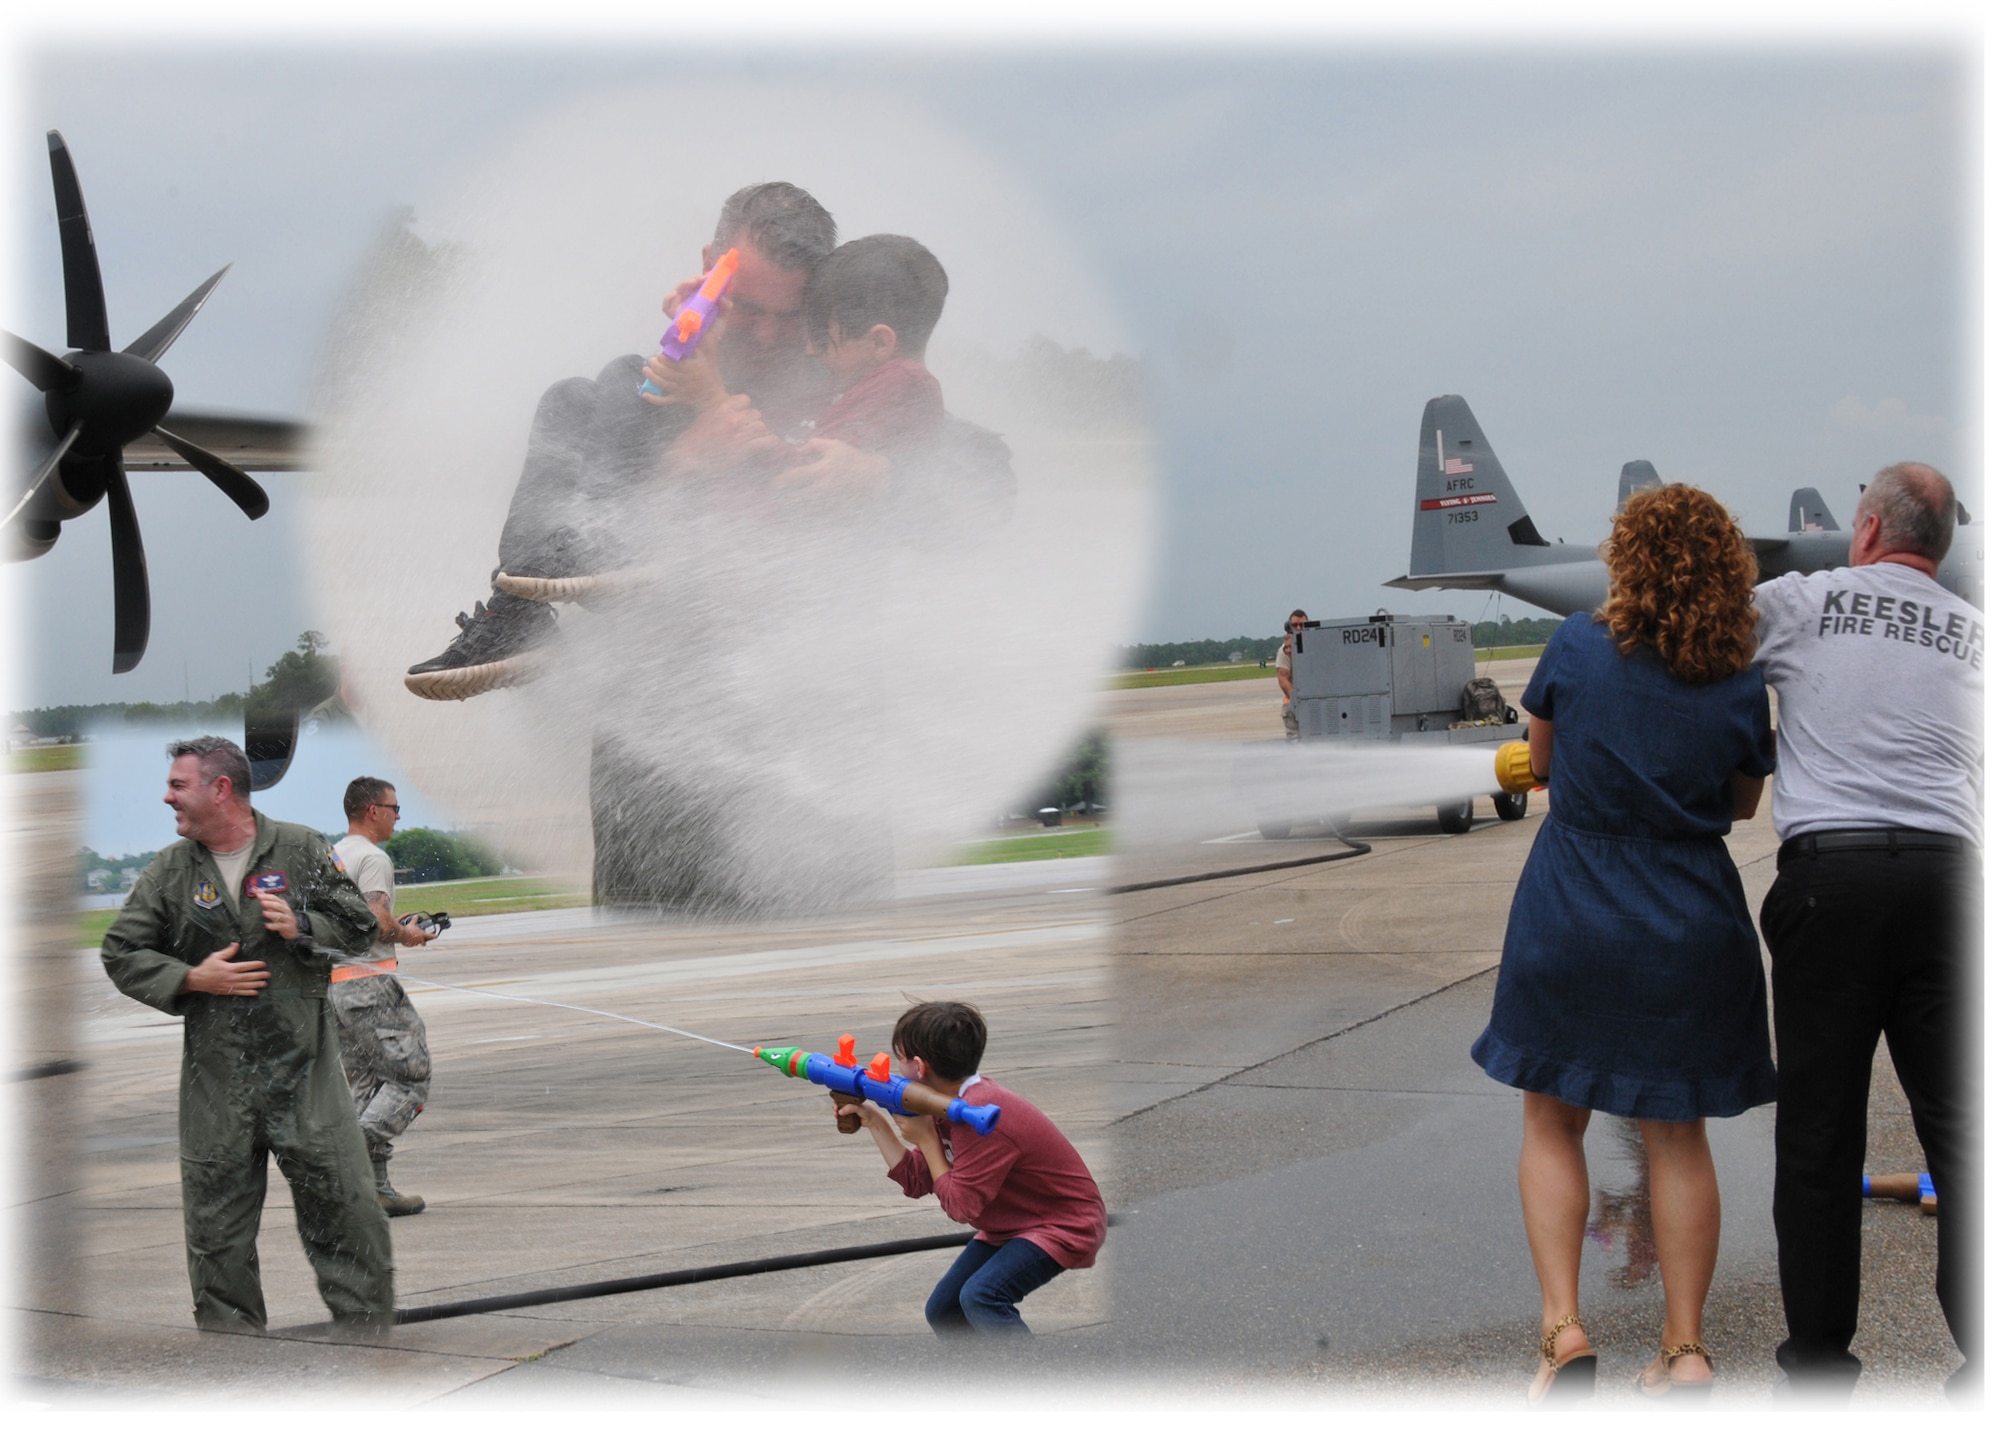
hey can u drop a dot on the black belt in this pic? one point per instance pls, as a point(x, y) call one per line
point(1871, 841)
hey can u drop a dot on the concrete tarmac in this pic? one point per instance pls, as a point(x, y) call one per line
point(561, 1148)
point(1267, 1072)
point(1320, 1181)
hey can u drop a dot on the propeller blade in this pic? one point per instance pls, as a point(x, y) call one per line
point(160, 336)
point(247, 494)
point(270, 738)
point(132, 602)
point(40, 366)
point(42, 472)
point(83, 284)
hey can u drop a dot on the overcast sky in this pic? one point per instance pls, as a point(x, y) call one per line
point(1754, 265)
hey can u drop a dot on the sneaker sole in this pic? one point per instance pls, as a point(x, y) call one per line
point(469, 680)
point(581, 589)
point(546, 588)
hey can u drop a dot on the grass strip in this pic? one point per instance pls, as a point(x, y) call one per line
point(530, 893)
point(47, 758)
point(1028, 848)
point(462, 898)
point(1188, 675)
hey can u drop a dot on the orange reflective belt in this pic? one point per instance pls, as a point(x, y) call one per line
point(351, 971)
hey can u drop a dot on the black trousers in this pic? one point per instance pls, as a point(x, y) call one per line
point(1866, 944)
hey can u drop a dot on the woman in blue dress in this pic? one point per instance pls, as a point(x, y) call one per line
point(1631, 980)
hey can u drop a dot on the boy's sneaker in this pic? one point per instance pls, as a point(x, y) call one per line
point(561, 566)
point(498, 644)
point(583, 589)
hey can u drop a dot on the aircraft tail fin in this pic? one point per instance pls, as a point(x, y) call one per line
point(1635, 476)
point(1467, 517)
point(1809, 512)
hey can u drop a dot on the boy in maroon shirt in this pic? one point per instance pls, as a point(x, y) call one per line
point(871, 306)
point(1022, 1186)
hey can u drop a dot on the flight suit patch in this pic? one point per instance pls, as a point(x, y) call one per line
point(272, 882)
point(206, 894)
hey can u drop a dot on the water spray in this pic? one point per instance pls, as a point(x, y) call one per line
point(572, 1007)
point(840, 1074)
point(766, 678)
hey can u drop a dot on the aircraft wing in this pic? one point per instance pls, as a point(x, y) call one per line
point(248, 443)
point(1768, 545)
point(1450, 580)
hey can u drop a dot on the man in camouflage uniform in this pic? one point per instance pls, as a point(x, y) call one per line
point(220, 931)
point(382, 1044)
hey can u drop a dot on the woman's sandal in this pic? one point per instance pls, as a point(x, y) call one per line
point(1569, 1379)
point(1656, 1380)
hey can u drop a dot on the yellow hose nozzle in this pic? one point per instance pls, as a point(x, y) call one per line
point(1511, 767)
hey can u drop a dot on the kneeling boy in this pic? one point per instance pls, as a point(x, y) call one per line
point(1022, 1187)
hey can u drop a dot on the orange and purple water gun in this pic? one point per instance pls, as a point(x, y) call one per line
point(696, 317)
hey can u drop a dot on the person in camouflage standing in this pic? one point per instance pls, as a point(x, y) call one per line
point(222, 930)
point(382, 1044)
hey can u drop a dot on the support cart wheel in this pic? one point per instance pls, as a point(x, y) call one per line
point(1455, 818)
point(1511, 806)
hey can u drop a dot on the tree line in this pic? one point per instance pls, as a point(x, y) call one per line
point(423, 855)
point(297, 680)
point(1503, 631)
point(1198, 652)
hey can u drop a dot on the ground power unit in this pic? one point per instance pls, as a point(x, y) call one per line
point(1405, 678)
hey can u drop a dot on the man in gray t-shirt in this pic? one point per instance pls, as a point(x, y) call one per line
point(1874, 920)
point(383, 1046)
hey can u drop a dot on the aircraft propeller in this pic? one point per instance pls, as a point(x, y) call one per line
point(98, 402)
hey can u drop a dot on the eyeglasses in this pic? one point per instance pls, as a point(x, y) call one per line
point(393, 808)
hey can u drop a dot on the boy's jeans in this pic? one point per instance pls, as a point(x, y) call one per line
point(984, 1285)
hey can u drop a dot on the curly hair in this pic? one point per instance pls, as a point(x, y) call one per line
point(1681, 577)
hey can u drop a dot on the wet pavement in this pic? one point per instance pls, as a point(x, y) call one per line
point(1268, 1072)
point(1320, 1182)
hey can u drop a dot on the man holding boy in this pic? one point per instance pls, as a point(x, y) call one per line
point(593, 444)
point(1034, 1203)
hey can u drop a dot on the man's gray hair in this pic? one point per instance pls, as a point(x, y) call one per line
point(1916, 507)
point(219, 758)
point(781, 221)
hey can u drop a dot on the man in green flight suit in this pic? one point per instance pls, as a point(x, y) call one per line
point(220, 931)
